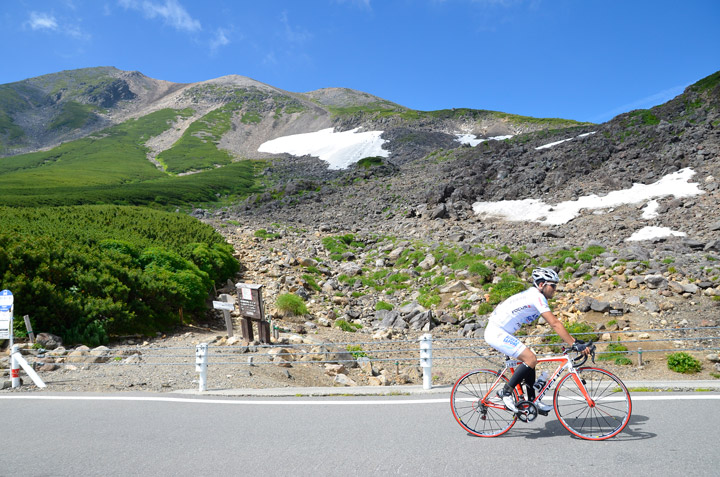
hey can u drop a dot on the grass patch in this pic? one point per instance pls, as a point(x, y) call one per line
point(251, 117)
point(508, 286)
point(582, 331)
point(369, 162)
point(73, 116)
point(347, 326)
point(111, 167)
point(356, 351)
point(310, 280)
point(292, 304)
point(645, 117)
point(197, 147)
point(338, 245)
point(265, 235)
point(383, 305)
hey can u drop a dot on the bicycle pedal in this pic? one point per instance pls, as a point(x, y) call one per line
point(543, 413)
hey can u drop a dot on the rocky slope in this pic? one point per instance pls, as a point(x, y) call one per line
point(410, 215)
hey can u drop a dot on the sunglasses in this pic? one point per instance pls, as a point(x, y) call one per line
point(552, 285)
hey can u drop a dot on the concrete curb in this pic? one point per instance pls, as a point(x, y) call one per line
point(633, 386)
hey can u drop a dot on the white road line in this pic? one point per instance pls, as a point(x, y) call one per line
point(298, 402)
point(284, 402)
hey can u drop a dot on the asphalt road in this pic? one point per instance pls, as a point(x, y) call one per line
point(158, 435)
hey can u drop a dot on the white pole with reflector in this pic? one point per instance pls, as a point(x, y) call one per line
point(18, 359)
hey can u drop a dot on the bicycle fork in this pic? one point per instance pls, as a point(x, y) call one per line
point(580, 383)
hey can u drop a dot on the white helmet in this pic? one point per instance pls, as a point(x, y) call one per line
point(547, 275)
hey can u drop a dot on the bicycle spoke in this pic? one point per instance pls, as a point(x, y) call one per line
point(475, 406)
point(607, 413)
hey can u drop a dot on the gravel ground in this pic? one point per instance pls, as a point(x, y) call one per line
point(166, 364)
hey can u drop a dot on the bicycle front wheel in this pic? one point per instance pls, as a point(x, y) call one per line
point(601, 413)
point(476, 406)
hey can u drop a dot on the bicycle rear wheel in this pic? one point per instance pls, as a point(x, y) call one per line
point(605, 417)
point(477, 408)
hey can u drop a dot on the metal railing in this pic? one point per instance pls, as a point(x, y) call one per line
point(424, 351)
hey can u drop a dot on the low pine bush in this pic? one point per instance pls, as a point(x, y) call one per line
point(683, 363)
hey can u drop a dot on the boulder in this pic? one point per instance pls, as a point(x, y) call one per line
point(306, 262)
point(599, 306)
point(335, 369)
point(350, 269)
point(48, 340)
point(281, 357)
point(428, 262)
point(380, 380)
point(454, 287)
point(343, 380)
point(655, 281)
point(422, 321)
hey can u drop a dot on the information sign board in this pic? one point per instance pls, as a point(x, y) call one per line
point(6, 304)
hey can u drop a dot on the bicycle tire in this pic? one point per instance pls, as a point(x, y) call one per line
point(471, 413)
point(612, 404)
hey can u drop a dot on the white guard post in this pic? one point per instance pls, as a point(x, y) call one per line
point(201, 363)
point(16, 359)
point(426, 359)
point(6, 332)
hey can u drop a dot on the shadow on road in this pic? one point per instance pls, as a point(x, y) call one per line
point(633, 431)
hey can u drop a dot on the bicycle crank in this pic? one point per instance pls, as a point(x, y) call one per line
point(527, 411)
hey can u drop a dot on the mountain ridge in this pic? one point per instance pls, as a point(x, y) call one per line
point(45, 111)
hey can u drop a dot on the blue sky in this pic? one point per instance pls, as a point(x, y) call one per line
point(579, 59)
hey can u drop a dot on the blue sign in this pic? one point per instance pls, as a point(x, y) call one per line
point(6, 300)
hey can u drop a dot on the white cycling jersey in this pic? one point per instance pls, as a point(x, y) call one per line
point(524, 307)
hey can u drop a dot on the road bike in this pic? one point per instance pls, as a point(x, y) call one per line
point(591, 403)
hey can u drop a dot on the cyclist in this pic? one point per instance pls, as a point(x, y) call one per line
point(506, 319)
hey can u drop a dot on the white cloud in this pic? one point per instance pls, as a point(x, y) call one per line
point(220, 39)
point(270, 59)
point(359, 3)
point(42, 21)
point(644, 103)
point(293, 34)
point(170, 11)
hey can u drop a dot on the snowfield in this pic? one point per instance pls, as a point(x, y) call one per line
point(549, 145)
point(342, 149)
point(649, 233)
point(533, 210)
point(338, 149)
point(473, 141)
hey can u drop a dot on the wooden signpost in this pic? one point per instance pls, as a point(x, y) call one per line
point(226, 304)
point(252, 309)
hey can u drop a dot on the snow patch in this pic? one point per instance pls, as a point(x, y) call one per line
point(547, 146)
point(473, 141)
point(533, 210)
point(649, 233)
point(651, 210)
point(339, 149)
